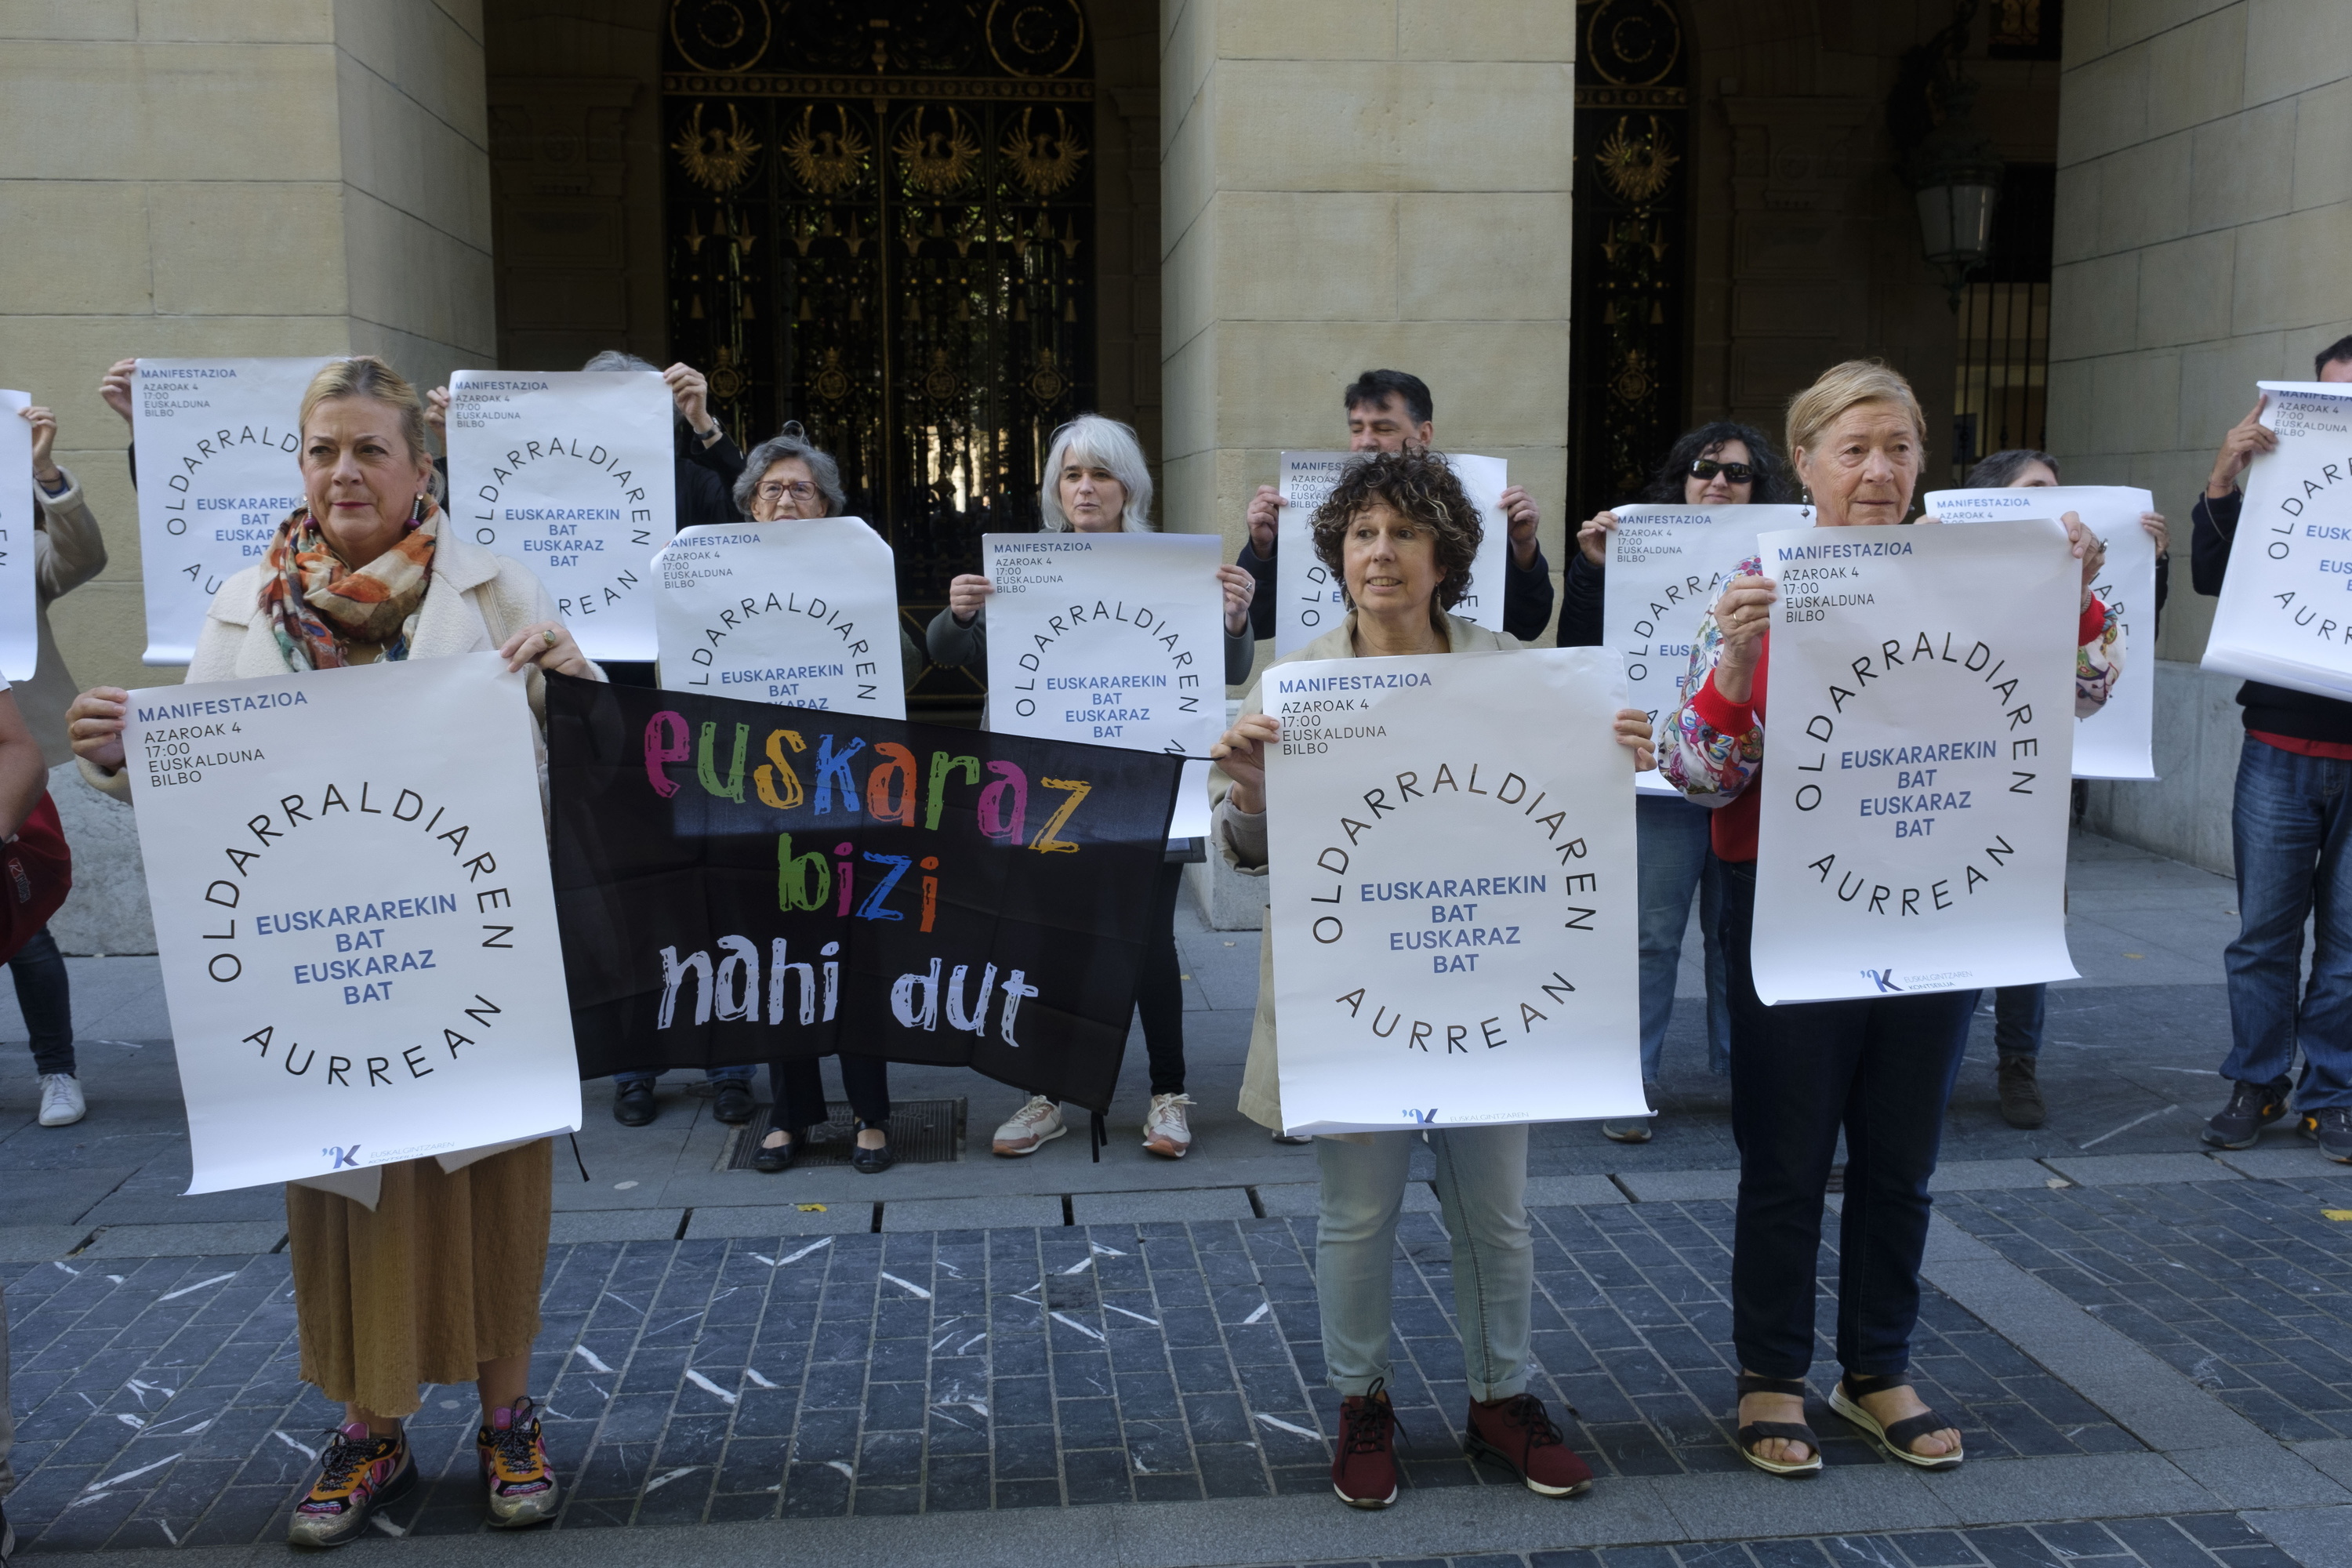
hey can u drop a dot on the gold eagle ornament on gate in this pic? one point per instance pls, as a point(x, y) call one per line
point(938, 161)
point(714, 159)
point(827, 161)
point(1041, 171)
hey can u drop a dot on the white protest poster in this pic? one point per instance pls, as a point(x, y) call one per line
point(1454, 892)
point(1115, 639)
point(1312, 600)
point(220, 466)
point(1668, 565)
point(20, 639)
point(573, 474)
point(2114, 742)
point(1484, 480)
point(2285, 611)
point(354, 917)
point(802, 613)
point(1918, 752)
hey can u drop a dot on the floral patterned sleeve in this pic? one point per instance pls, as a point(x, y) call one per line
point(1703, 749)
point(2099, 663)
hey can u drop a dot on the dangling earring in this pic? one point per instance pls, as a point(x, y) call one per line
point(417, 513)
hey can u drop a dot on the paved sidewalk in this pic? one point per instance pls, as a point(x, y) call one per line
point(2148, 1348)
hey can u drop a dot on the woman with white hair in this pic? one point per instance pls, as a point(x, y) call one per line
point(1096, 482)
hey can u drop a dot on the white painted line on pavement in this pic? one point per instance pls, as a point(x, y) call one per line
point(707, 1387)
point(192, 1289)
point(908, 1286)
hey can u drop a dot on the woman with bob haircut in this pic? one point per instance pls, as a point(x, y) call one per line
point(1095, 481)
point(1718, 463)
point(1880, 1069)
point(1398, 532)
point(417, 1271)
point(788, 478)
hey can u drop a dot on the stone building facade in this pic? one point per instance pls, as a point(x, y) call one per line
point(1280, 192)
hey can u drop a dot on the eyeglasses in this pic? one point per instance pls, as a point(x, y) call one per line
point(777, 490)
point(1736, 473)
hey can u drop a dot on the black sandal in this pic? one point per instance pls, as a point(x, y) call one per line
point(1755, 1432)
point(1846, 1400)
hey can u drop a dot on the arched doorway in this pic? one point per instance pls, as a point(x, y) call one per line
point(880, 222)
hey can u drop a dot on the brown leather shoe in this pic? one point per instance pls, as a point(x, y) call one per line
point(2021, 1093)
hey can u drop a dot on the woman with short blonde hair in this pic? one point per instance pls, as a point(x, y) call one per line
point(1879, 1069)
point(416, 1271)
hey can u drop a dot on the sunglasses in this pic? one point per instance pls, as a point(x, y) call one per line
point(1737, 473)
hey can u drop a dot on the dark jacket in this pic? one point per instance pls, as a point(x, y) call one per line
point(1527, 594)
point(2273, 709)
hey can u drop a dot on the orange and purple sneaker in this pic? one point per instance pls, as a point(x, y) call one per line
point(358, 1474)
point(514, 1463)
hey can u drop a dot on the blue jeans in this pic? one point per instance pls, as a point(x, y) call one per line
point(716, 1075)
point(2018, 1012)
point(2288, 831)
point(1670, 836)
point(1882, 1069)
point(1481, 1184)
point(44, 996)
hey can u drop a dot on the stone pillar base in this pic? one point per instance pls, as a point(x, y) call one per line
point(106, 915)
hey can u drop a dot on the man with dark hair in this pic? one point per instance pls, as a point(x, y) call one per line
point(2288, 832)
point(1389, 411)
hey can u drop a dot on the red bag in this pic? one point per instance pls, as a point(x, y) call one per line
point(35, 875)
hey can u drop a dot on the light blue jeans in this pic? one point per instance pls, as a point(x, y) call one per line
point(1671, 838)
point(1481, 1184)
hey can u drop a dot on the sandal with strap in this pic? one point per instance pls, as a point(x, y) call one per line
point(1755, 1432)
point(1896, 1439)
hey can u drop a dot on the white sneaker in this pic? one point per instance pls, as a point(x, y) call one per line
point(1164, 1130)
point(61, 1101)
point(1031, 1128)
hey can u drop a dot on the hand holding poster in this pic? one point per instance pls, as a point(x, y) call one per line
point(1310, 599)
point(572, 473)
point(1666, 566)
point(1115, 639)
point(356, 930)
point(802, 612)
point(20, 640)
point(743, 883)
point(221, 468)
point(1918, 755)
point(2285, 615)
point(2114, 742)
point(1451, 854)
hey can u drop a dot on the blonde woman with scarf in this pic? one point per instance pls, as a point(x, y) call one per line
point(423, 1270)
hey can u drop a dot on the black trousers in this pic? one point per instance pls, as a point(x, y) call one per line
point(798, 1089)
point(1160, 989)
point(1882, 1069)
point(45, 995)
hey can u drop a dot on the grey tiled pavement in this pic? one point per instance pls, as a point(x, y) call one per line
point(2153, 1367)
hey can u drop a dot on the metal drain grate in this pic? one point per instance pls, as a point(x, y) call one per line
point(923, 1131)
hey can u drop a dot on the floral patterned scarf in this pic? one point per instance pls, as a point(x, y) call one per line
point(319, 605)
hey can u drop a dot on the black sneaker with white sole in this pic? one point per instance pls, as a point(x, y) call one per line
point(2251, 1108)
point(2331, 1129)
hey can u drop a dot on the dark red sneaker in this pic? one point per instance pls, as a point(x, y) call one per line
point(1520, 1432)
point(1364, 1472)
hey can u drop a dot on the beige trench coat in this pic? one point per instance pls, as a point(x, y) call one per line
point(1241, 839)
point(67, 551)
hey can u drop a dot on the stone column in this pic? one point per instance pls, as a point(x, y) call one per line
point(306, 178)
point(1350, 185)
point(222, 178)
point(1356, 184)
point(2204, 213)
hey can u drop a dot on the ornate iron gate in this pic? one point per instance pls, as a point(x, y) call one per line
point(880, 222)
point(1625, 387)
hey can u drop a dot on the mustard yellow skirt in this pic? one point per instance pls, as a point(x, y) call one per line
point(443, 1275)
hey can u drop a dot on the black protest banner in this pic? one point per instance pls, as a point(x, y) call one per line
point(740, 882)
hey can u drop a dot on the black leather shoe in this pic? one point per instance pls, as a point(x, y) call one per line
point(777, 1157)
point(871, 1162)
point(732, 1101)
point(633, 1104)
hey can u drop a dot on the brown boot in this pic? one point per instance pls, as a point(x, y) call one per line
point(2021, 1093)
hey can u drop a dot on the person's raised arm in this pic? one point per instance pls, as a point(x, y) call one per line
point(2247, 439)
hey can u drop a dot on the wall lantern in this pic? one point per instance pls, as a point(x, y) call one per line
point(1950, 165)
